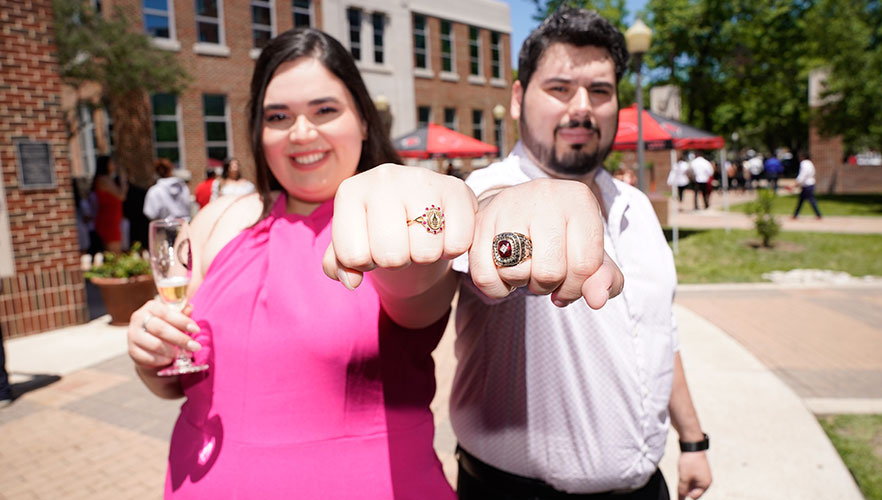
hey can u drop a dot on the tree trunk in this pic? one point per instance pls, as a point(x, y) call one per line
point(133, 136)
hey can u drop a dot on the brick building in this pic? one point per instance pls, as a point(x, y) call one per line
point(42, 286)
point(430, 62)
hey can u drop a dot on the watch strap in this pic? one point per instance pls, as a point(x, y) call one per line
point(687, 446)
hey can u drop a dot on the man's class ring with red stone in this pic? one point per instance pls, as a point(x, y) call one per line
point(510, 249)
point(432, 219)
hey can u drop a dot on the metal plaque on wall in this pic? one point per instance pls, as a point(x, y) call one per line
point(36, 168)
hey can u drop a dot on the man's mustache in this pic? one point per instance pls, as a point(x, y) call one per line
point(586, 124)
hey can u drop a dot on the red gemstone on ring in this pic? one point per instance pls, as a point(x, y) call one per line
point(504, 249)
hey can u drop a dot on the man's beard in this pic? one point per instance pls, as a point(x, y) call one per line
point(573, 164)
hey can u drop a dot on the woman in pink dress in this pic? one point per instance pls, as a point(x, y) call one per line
point(315, 390)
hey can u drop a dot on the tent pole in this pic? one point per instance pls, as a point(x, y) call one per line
point(675, 202)
point(725, 178)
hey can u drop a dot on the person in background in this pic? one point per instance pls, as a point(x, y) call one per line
point(678, 178)
point(170, 196)
point(231, 182)
point(773, 169)
point(133, 211)
point(704, 175)
point(5, 388)
point(626, 175)
point(203, 190)
point(110, 195)
point(806, 181)
point(553, 402)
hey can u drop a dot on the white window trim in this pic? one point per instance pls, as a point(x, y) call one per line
point(480, 59)
point(385, 47)
point(272, 26)
point(172, 32)
point(178, 122)
point(452, 49)
point(500, 51)
point(418, 71)
point(227, 126)
point(449, 77)
point(311, 12)
point(479, 126)
point(166, 44)
point(477, 80)
point(361, 44)
point(221, 35)
point(498, 82)
point(86, 135)
point(211, 49)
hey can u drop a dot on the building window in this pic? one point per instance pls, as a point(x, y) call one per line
point(87, 139)
point(474, 51)
point(158, 18)
point(302, 12)
point(208, 24)
point(424, 116)
point(379, 22)
point(450, 118)
point(447, 46)
point(497, 133)
point(496, 54)
point(478, 124)
point(420, 42)
point(354, 16)
point(261, 22)
point(166, 127)
point(214, 108)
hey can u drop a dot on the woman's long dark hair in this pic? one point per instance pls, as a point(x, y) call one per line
point(308, 42)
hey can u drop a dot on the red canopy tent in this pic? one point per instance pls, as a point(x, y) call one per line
point(436, 141)
point(661, 133)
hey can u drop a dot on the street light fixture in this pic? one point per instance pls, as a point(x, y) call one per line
point(638, 37)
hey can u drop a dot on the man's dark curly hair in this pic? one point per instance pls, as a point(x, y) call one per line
point(577, 27)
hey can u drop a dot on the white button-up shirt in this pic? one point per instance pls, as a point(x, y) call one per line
point(806, 175)
point(575, 397)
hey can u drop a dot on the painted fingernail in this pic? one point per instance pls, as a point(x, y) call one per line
point(343, 276)
point(193, 346)
point(559, 303)
point(193, 328)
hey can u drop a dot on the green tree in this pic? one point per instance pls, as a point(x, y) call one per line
point(105, 50)
point(846, 37)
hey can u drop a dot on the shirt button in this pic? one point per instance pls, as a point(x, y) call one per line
point(644, 390)
point(634, 331)
point(644, 448)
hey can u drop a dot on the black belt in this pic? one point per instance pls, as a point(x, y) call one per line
point(513, 484)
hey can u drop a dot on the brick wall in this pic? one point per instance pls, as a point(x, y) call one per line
point(47, 290)
point(462, 94)
point(836, 176)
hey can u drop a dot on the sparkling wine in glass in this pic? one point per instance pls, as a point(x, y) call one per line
point(170, 259)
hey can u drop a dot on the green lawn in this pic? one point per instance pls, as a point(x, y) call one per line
point(858, 439)
point(833, 204)
point(714, 256)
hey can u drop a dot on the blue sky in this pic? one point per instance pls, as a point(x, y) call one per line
point(522, 22)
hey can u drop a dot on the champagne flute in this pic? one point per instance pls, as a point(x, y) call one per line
point(170, 259)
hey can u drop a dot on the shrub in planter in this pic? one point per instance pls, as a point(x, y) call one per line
point(125, 281)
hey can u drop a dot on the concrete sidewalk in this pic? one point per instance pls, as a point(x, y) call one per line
point(97, 433)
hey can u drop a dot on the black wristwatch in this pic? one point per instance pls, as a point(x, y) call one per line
point(702, 445)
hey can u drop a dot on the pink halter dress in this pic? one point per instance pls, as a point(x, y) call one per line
point(313, 392)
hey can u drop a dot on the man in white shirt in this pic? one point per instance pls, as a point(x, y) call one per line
point(806, 180)
point(553, 402)
point(704, 174)
point(169, 197)
point(679, 177)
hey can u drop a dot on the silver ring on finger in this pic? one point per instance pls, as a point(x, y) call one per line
point(510, 249)
point(146, 320)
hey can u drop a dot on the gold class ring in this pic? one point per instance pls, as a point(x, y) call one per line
point(432, 219)
point(510, 249)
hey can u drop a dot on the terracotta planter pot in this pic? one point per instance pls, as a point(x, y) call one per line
point(123, 296)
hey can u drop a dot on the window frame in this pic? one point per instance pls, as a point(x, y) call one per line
point(478, 125)
point(354, 45)
point(496, 50)
point(475, 44)
point(451, 39)
point(271, 5)
point(177, 119)
point(219, 20)
point(171, 42)
point(428, 120)
point(425, 50)
point(295, 10)
point(382, 37)
point(451, 124)
point(227, 143)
